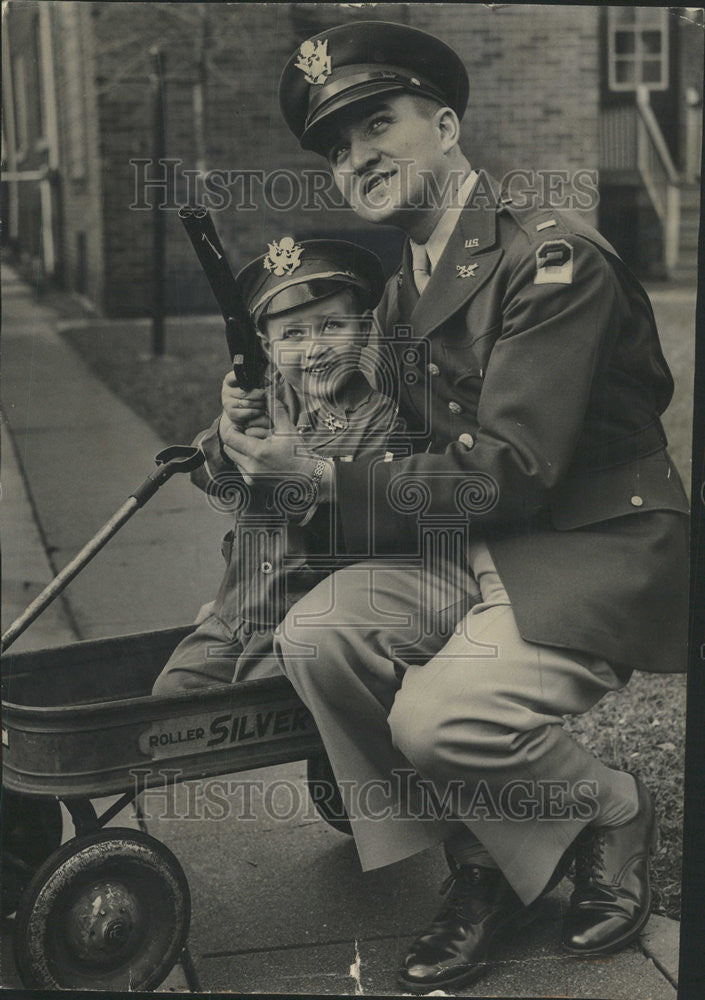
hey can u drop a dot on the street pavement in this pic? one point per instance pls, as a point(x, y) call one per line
point(279, 904)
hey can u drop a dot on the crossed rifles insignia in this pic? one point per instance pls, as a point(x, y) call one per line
point(333, 423)
point(466, 270)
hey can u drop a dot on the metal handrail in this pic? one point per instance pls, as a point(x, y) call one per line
point(649, 119)
point(659, 175)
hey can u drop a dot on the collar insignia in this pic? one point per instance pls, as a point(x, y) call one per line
point(313, 61)
point(333, 423)
point(466, 270)
point(283, 257)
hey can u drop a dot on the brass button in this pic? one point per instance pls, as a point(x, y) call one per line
point(266, 567)
point(433, 369)
point(468, 440)
point(455, 407)
point(637, 501)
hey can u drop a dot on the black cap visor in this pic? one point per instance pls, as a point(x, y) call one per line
point(315, 288)
point(351, 89)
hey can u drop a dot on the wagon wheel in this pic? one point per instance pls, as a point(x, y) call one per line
point(31, 831)
point(325, 794)
point(109, 911)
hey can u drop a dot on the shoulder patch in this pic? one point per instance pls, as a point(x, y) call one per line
point(554, 263)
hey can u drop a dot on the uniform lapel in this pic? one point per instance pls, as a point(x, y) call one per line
point(467, 262)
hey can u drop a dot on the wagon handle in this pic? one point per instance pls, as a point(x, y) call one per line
point(176, 458)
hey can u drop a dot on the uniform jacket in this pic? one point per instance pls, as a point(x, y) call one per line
point(534, 394)
point(271, 559)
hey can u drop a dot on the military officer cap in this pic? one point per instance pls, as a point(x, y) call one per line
point(293, 274)
point(362, 59)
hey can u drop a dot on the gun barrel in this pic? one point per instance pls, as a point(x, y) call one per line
point(243, 345)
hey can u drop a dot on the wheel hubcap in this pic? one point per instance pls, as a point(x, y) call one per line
point(103, 923)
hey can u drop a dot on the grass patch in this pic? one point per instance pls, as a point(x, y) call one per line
point(641, 728)
point(178, 395)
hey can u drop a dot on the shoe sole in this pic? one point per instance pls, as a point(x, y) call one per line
point(516, 922)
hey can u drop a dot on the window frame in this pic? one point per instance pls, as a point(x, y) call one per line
point(638, 58)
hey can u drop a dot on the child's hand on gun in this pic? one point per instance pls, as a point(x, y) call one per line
point(247, 411)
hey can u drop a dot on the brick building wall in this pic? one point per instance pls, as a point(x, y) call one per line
point(81, 183)
point(534, 75)
point(29, 124)
point(690, 70)
point(533, 104)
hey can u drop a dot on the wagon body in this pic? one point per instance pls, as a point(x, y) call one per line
point(79, 721)
point(110, 908)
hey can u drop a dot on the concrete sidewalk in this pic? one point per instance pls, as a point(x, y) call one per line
point(278, 905)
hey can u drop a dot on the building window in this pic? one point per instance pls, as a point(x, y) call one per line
point(637, 47)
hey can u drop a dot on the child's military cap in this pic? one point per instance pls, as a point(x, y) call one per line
point(362, 59)
point(292, 274)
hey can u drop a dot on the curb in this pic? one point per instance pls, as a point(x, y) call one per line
point(660, 942)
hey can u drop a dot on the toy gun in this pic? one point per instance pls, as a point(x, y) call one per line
point(246, 353)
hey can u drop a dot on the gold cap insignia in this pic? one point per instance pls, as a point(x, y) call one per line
point(313, 61)
point(283, 257)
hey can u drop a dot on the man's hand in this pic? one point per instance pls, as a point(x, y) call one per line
point(243, 409)
point(277, 455)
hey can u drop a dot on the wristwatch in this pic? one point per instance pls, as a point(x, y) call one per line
point(312, 497)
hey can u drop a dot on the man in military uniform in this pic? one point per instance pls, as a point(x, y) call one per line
point(534, 388)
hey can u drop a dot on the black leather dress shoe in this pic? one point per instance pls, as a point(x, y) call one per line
point(452, 951)
point(612, 897)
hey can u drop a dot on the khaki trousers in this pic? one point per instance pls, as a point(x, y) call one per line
point(423, 690)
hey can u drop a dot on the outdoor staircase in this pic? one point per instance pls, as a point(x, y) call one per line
point(685, 270)
point(633, 153)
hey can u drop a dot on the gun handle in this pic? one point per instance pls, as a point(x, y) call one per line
point(247, 378)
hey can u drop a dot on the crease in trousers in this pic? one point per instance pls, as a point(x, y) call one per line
point(422, 686)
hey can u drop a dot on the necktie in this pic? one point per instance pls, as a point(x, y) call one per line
point(421, 266)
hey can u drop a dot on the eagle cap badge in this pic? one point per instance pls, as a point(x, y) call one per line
point(283, 257)
point(313, 61)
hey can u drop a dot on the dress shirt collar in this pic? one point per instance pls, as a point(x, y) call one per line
point(437, 241)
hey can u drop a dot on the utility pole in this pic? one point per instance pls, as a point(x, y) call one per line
point(199, 90)
point(158, 214)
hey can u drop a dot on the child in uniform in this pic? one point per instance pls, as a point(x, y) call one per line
point(311, 303)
